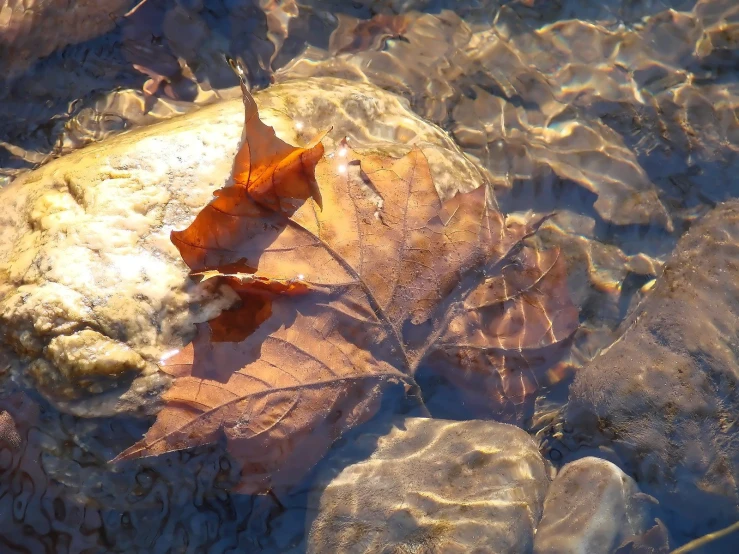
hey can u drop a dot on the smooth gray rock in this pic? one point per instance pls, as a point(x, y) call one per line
point(432, 486)
point(592, 506)
point(664, 397)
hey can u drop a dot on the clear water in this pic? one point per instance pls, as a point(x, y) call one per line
point(619, 116)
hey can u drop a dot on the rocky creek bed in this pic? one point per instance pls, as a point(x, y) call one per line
point(624, 439)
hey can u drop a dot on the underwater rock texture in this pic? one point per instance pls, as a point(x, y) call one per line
point(57, 494)
point(664, 397)
point(629, 103)
point(432, 485)
point(593, 506)
point(540, 98)
point(92, 291)
point(32, 29)
point(520, 132)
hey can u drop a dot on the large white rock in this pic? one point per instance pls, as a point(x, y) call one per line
point(92, 291)
point(432, 485)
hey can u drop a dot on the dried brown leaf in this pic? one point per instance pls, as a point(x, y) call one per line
point(344, 293)
point(514, 327)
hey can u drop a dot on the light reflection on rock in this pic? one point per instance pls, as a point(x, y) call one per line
point(625, 112)
point(527, 100)
point(526, 89)
point(430, 485)
point(593, 506)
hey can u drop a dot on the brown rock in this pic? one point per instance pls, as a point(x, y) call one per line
point(593, 506)
point(664, 396)
point(432, 486)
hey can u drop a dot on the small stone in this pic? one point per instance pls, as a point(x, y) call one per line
point(431, 485)
point(8, 432)
point(592, 506)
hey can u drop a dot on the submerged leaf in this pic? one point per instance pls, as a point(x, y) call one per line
point(513, 327)
point(301, 384)
point(344, 294)
point(270, 179)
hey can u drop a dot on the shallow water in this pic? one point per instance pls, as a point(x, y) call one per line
point(619, 118)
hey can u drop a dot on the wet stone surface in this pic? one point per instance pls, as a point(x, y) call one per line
point(58, 495)
point(618, 117)
point(41, 26)
point(597, 113)
point(430, 485)
point(662, 398)
point(593, 506)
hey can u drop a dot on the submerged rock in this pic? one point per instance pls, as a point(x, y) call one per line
point(488, 89)
point(593, 506)
point(431, 485)
point(41, 26)
point(92, 291)
point(664, 398)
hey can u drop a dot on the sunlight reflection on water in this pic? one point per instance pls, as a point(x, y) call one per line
point(620, 118)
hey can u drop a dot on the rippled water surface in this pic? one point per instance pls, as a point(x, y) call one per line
point(619, 119)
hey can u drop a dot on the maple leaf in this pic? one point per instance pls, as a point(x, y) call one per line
point(509, 331)
point(346, 288)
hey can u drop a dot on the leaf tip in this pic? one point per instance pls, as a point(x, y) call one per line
point(131, 453)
